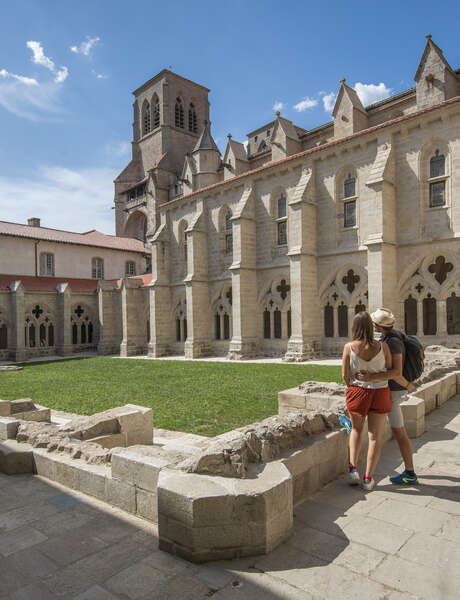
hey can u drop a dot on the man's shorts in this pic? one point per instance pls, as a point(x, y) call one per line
point(395, 418)
point(361, 401)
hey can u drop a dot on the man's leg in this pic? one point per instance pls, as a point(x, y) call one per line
point(396, 420)
point(405, 447)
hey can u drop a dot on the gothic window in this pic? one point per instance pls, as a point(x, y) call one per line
point(228, 233)
point(156, 113)
point(328, 321)
point(130, 268)
point(42, 335)
point(226, 327)
point(97, 268)
point(289, 323)
point(349, 213)
point(267, 332)
point(429, 316)
point(179, 114)
point(178, 332)
point(349, 198)
point(410, 315)
point(437, 180)
point(74, 334)
point(192, 120)
point(277, 323)
point(185, 329)
point(359, 308)
point(147, 331)
point(32, 335)
point(217, 317)
point(47, 264)
point(453, 314)
point(349, 187)
point(342, 313)
point(50, 335)
point(145, 118)
point(3, 337)
point(83, 333)
point(281, 221)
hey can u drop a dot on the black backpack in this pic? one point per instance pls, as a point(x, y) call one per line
point(415, 355)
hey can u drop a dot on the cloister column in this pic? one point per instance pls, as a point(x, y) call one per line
point(199, 318)
point(306, 317)
point(380, 214)
point(420, 317)
point(133, 324)
point(109, 326)
point(244, 342)
point(161, 319)
point(63, 324)
point(17, 343)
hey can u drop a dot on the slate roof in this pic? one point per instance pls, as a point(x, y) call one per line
point(88, 238)
point(206, 141)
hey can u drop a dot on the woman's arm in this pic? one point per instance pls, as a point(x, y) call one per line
point(394, 365)
point(346, 365)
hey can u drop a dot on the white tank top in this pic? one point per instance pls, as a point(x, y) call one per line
point(375, 365)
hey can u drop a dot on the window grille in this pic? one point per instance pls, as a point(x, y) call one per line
point(97, 268)
point(437, 165)
point(130, 268)
point(437, 194)
point(156, 114)
point(349, 187)
point(281, 206)
point(192, 120)
point(282, 233)
point(349, 219)
point(179, 114)
point(47, 264)
point(146, 118)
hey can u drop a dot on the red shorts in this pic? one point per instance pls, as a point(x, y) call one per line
point(361, 401)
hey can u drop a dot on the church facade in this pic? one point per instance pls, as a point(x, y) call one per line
point(272, 248)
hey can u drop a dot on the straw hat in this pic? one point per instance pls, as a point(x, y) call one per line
point(383, 317)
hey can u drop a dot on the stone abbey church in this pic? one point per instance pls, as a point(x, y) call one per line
point(271, 248)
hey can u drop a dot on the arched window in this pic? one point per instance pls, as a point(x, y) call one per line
point(130, 268)
point(226, 327)
point(349, 201)
point(289, 323)
point(228, 233)
point(217, 317)
point(178, 330)
point(46, 264)
point(83, 333)
point(359, 308)
point(97, 268)
point(437, 180)
point(342, 313)
point(74, 334)
point(277, 323)
point(410, 315)
point(147, 332)
point(328, 321)
point(145, 118)
point(192, 120)
point(3, 337)
point(179, 114)
point(42, 335)
point(453, 314)
point(281, 220)
point(32, 335)
point(267, 332)
point(50, 335)
point(429, 316)
point(156, 113)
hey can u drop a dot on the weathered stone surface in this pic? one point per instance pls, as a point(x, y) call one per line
point(8, 428)
point(15, 458)
point(140, 465)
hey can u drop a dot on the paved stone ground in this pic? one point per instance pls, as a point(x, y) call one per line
point(392, 543)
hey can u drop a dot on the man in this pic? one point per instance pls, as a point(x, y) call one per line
point(383, 320)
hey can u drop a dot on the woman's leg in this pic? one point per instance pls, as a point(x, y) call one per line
point(375, 424)
point(357, 423)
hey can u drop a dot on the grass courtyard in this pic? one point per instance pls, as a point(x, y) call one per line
point(207, 398)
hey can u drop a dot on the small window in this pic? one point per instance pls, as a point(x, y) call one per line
point(146, 118)
point(156, 114)
point(437, 165)
point(97, 268)
point(282, 233)
point(179, 114)
point(192, 120)
point(349, 219)
point(437, 194)
point(130, 267)
point(281, 206)
point(349, 187)
point(228, 243)
point(47, 264)
point(255, 138)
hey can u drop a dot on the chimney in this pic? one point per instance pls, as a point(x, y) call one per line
point(33, 222)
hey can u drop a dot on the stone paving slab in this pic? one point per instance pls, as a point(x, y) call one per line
point(395, 543)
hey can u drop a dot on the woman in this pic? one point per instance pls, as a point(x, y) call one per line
point(365, 398)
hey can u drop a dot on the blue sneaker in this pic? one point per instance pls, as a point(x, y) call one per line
point(345, 423)
point(404, 479)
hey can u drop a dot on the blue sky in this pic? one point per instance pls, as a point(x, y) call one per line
point(67, 70)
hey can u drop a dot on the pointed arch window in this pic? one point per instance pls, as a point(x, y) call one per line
point(145, 118)
point(349, 201)
point(429, 316)
point(328, 320)
point(156, 113)
point(453, 314)
point(228, 233)
point(410, 315)
point(192, 120)
point(179, 113)
point(3, 337)
point(437, 180)
point(342, 314)
point(281, 220)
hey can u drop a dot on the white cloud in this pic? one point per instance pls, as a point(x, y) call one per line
point(74, 200)
point(329, 101)
point(305, 104)
point(25, 80)
point(39, 58)
point(99, 75)
point(369, 92)
point(118, 149)
point(278, 105)
point(33, 101)
point(85, 47)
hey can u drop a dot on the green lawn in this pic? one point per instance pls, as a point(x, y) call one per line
point(200, 397)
